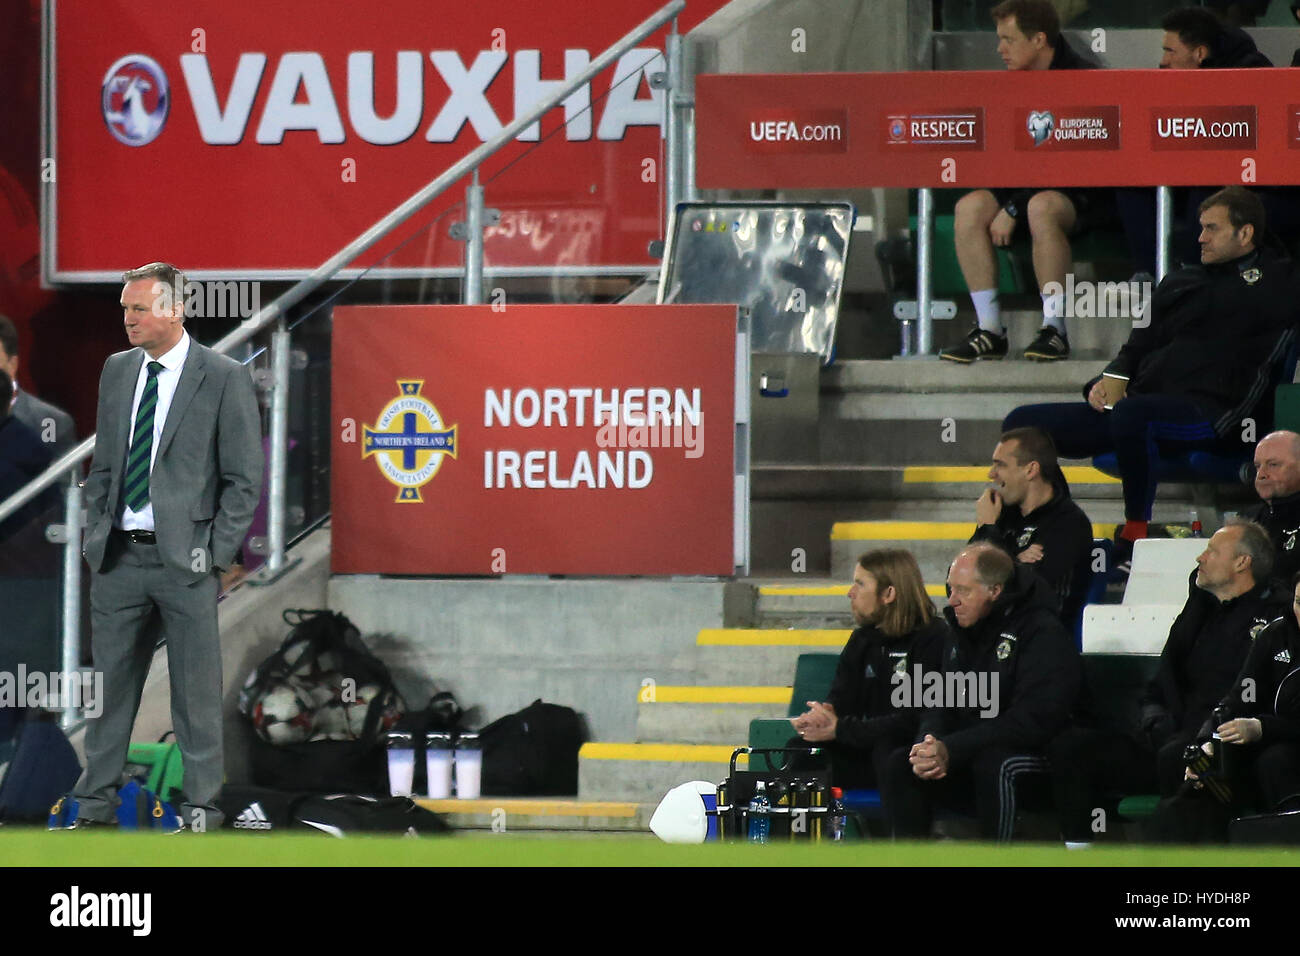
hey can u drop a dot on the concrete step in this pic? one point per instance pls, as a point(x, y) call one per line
point(930, 375)
point(706, 714)
point(812, 598)
point(758, 657)
point(927, 411)
point(1091, 338)
point(644, 772)
point(506, 814)
point(926, 483)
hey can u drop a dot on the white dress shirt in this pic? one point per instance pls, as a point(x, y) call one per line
point(170, 376)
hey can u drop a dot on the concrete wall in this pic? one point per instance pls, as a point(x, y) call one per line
point(501, 644)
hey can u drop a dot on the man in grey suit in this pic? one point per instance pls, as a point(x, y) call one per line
point(176, 475)
point(52, 425)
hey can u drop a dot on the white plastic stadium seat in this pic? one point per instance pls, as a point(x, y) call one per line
point(1156, 592)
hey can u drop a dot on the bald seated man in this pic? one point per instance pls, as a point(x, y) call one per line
point(1277, 481)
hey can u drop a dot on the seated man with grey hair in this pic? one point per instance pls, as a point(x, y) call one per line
point(1008, 681)
point(1229, 602)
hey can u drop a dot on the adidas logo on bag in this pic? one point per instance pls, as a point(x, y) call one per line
point(253, 818)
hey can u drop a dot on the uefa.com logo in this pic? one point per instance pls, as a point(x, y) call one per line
point(135, 99)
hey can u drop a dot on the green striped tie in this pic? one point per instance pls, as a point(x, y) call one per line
point(138, 461)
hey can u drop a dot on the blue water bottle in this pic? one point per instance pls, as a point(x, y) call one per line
point(760, 815)
point(838, 816)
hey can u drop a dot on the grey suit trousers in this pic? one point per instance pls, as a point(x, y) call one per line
point(135, 586)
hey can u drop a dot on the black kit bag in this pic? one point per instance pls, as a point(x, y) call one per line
point(533, 752)
point(43, 768)
point(321, 766)
point(260, 810)
point(319, 707)
point(344, 813)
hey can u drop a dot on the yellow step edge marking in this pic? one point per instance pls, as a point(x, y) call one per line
point(539, 808)
point(833, 590)
point(685, 694)
point(921, 530)
point(978, 474)
point(770, 637)
point(674, 753)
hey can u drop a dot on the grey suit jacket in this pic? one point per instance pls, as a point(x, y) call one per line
point(207, 472)
point(36, 414)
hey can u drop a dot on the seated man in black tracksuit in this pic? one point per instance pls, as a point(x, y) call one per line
point(1192, 377)
point(1262, 729)
point(1257, 725)
point(1277, 481)
point(1030, 515)
point(1009, 681)
point(1228, 604)
point(897, 630)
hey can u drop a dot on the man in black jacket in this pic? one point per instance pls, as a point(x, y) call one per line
point(1029, 514)
point(1029, 38)
point(1198, 371)
point(860, 723)
point(1262, 729)
point(1007, 649)
point(1229, 602)
point(1277, 480)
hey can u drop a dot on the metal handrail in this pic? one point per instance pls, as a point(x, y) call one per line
point(274, 311)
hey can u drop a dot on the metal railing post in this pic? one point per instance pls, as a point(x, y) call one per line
point(71, 657)
point(924, 267)
point(1164, 216)
point(472, 294)
point(278, 479)
point(689, 192)
point(672, 125)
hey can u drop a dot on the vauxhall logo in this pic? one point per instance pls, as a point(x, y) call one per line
point(300, 96)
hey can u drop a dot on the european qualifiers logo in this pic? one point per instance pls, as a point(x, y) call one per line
point(960, 128)
point(135, 100)
point(410, 441)
point(1068, 128)
point(1040, 126)
point(1203, 127)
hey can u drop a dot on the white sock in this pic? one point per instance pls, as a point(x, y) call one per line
point(987, 311)
point(1053, 311)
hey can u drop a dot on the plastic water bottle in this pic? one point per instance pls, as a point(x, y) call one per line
point(760, 818)
point(1196, 524)
point(838, 816)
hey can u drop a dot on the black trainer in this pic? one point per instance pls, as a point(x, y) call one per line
point(1050, 346)
point(980, 344)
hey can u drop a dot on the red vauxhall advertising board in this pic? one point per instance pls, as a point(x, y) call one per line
point(534, 439)
point(253, 142)
point(1041, 128)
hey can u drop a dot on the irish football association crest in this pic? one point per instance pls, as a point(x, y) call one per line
point(409, 441)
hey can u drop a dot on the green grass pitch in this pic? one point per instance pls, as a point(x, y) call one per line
point(29, 847)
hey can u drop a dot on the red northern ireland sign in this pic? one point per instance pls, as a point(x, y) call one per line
point(534, 439)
